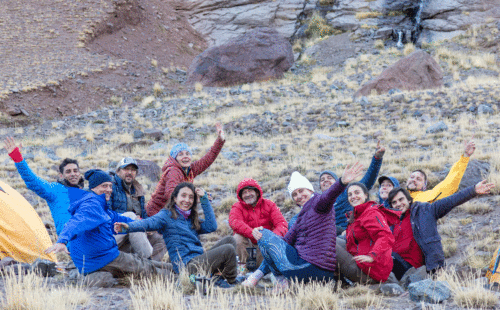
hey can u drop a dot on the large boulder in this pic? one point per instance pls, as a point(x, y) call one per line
point(259, 55)
point(416, 71)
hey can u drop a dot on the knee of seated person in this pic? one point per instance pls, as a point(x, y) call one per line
point(228, 249)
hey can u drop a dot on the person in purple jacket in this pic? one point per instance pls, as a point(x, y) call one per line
point(307, 252)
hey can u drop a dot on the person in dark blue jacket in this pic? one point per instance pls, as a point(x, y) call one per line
point(181, 226)
point(127, 199)
point(386, 184)
point(342, 206)
point(89, 231)
point(417, 237)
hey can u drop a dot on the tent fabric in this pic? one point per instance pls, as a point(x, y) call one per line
point(493, 272)
point(22, 233)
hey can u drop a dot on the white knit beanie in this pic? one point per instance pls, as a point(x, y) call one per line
point(297, 180)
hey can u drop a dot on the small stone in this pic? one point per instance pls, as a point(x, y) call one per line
point(398, 98)
point(342, 124)
point(23, 111)
point(438, 127)
point(429, 291)
point(138, 134)
point(154, 134)
point(413, 275)
point(324, 137)
point(485, 109)
point(100, 279)
point(165, 131)
point(14, 111)
point(391, 289)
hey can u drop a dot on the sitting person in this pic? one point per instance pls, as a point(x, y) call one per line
point(417, 181)
point(89, 232)
point(342, 206)
point(179, 167)
point(365, 257)
point(181, 226)
point(58, 194)
point(416, 235)
point(386, 184)
point(307, 252)
point(127, 199)
point(250, 213)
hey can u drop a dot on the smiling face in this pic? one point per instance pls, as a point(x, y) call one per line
point(356, 195)
point(326, 181)
point(301, 196)
point(385, 188)
point(127, 174)
point(184, 159)
point(185, 199)
point(71, 173)
point(104, 188)
point(400, 202)
point(416, 181)
point(249, 196)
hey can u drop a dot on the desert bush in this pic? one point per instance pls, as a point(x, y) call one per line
point(318, 27)
point(364, 15)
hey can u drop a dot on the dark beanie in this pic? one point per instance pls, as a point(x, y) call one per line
point(330, 173)
point(96, 177)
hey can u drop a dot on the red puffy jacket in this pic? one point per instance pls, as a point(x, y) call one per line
point(244, 218)
point(173, 174)
point(370, 235)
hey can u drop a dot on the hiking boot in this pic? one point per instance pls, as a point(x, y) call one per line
point(222, 283)
point(44, 267)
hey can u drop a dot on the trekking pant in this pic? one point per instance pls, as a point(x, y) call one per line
point(242, 243)
point(220, 258)
point(127, 263)
point(283, 259)
point(349, 269)
point(400, 265)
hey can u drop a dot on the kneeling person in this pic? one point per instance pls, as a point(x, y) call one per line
point(89, 232)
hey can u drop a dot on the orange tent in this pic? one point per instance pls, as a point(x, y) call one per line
point(22, 233)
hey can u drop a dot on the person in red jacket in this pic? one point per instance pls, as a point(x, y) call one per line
point(251, 214)
point(366, 255)
point(179, 168)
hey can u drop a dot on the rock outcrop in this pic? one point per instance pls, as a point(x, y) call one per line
point(258, 55)
point(414, 72)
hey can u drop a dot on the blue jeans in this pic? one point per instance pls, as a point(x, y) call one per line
point(280, 258)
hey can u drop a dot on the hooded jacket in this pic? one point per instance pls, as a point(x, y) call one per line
point(370, 235)
point(89, 232)
point(243, 218)
point(314, 233)
point(445, 188)
point(386, 204)
point(183, 242)
point(173, 174)
point(118, 199)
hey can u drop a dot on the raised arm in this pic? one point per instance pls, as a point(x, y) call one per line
point(325, 203)
point(153, 223)
point(371, 174)
point(203, 163)
point(41, 187)
point(210, 223)
point(441, 207)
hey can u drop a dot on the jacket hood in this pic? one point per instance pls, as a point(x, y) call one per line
point(394, 181)
point(391, 216)
point(88, 195)
point(359, 209)
point(248, 182)
point(171, 162)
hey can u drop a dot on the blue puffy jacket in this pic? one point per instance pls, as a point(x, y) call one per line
point(118, 201)
point(183, 242)
point(57, 195)
point(395, 182)
point(342, 205)
point(89, 232)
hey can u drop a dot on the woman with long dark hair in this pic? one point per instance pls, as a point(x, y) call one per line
point(180, 225)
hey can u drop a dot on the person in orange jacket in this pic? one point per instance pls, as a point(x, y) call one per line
point(252, 213)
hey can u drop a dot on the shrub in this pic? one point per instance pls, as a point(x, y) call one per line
point(318, 27)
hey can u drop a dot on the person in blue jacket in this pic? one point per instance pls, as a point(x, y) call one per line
point(342, 206)
point(386, 184)
point(181, 226)
point(89, 232)
point(58, 194)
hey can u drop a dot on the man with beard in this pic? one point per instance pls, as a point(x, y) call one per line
point(58, 194)
point(127, 199)
point(417, 181)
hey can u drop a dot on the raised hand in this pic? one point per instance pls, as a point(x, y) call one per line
point(483, 188)
point(120, 227)
point(380, 150)
point(10, 144)
point(352, 172)
point(470, 147)
point(57, 248)
point(200, 191)
point(220, 131)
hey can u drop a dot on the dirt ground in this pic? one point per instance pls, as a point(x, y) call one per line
point(77, 57)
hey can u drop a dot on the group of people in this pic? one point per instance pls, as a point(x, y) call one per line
point(339, 233)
